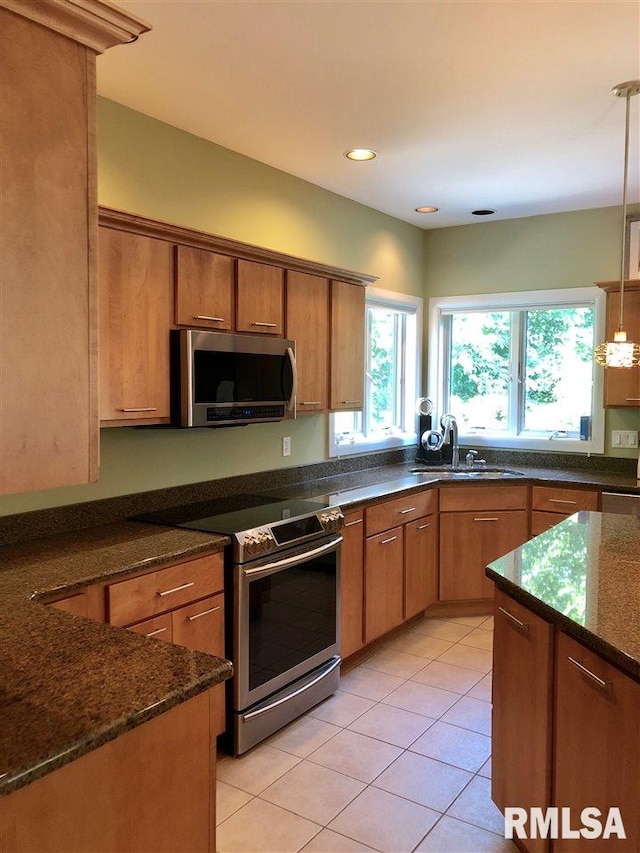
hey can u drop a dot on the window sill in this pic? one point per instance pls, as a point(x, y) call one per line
point(555, 445)
point(369, 445)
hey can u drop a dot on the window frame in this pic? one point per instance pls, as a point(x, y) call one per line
point(377, 297)
point(440, 307)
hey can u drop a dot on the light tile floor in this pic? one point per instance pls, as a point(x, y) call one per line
point(398, 760)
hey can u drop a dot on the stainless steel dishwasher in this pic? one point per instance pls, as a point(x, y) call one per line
point(623, 504)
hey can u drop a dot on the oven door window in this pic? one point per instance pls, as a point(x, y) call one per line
point(292, 617)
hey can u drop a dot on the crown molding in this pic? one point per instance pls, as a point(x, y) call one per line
point(122, 221)
point(96, 24)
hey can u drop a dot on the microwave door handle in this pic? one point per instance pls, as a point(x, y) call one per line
point(294, 387)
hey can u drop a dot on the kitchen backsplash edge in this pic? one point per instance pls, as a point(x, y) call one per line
point(45, 522)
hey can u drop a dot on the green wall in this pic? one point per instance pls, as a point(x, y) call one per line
point(534, 253)
point(153, 169)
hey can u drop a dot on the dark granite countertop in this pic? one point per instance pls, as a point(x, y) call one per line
point(349, 490)
point(584, 576)
point(68, 684)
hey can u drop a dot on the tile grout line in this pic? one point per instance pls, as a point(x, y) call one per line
point(404, 749)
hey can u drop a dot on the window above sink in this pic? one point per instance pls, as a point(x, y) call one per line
point(517, 369)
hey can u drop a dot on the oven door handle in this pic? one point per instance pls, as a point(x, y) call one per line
point(252, 714)
point(270, 568)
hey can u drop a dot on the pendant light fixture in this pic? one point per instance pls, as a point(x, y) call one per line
point(620, 352)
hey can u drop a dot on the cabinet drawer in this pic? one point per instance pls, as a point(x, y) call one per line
point(461, 498)
point(391, 513)
point(158, 627)
point(565, 501)
point(145, 596)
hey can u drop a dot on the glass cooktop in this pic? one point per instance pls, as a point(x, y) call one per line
point(236, 513)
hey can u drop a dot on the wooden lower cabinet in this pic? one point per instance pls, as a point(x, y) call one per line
point(352, 584)
point(565, 731)
point(151, 789)
point(552, 504)
point(597, 743)
point(469, 541)
point(522, 705)
point(420, 565)
point(384, 583)
point(198, 626)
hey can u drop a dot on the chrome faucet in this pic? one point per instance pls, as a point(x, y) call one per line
point(450, 434)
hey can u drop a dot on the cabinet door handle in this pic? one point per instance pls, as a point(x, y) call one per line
point(212, 319)
point(176, 589)
point(311, 403)
point(351, 402)
point(265, 325)
point(492, 518)
point(157, 631)
point(561, 501)
point(588, 672)
point(632, 399)
point(149, 409)
point(405, 511)
point(424, 526)
point(523, 625)
point(351, 523)
point(204, 613)
point(390, 539)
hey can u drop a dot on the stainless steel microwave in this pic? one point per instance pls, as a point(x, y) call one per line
point(220, 379)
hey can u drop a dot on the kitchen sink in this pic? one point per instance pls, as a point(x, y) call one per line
point(467, 473)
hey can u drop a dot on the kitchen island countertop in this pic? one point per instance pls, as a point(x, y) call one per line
point(583, 575)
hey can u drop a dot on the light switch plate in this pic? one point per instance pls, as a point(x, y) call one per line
point(624, 438)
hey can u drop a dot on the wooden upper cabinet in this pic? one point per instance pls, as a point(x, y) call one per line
point(48, 323)
point(204, 289)
point(622, 384)
point(136, 299)
point(347, 346)
point(307, 312)
point(260, 299)
point(49, 427)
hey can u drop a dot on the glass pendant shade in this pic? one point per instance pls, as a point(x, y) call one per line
point(619, 352)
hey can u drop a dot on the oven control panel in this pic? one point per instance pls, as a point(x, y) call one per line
point(332, 520)
point(269, 538)
point(256, 542)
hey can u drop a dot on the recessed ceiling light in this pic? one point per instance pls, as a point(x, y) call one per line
point(360, 154)
point(427, 208)
point(482, 212)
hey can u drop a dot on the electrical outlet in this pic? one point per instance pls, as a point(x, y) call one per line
point(624, 438)
point(286, 445)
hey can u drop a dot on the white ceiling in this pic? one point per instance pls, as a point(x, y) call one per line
point(470, 104)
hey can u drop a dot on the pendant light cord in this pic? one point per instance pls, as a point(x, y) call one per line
point(624, 208)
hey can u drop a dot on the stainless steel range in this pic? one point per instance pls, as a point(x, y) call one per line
point(283, 617)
